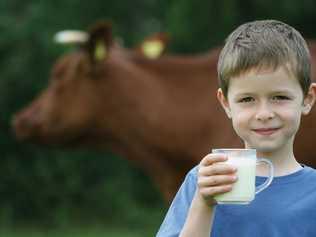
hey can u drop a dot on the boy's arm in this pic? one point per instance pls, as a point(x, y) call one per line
point(199, 220)
point(179, 208)
point(214, 178)
point(191, 212)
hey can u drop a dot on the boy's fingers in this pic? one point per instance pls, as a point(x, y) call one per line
point(211, 191)
point(213, 158)
point(216, 169)
point(216, 180)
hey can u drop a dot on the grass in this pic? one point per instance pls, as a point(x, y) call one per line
point(78, 232)
point(141, 223)
point(135, 222)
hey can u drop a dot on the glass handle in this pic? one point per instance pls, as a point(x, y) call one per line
point(270, 177)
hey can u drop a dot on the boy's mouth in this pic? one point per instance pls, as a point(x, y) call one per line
point(265, 131)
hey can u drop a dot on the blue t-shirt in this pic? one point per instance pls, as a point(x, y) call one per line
point(287, 208)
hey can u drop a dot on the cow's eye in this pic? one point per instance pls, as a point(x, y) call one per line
point(59, 70)
point(57, 73)
point(57, 88)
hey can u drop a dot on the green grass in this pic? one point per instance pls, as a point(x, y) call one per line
point(135, 223)
point(78, 232)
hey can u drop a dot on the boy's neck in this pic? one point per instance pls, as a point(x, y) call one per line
point(284, 163)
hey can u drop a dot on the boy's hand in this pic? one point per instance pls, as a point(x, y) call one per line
point(214, 177)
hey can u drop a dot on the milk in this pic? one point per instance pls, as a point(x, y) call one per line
point(243, 190)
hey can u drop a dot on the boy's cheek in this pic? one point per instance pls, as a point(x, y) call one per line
point(238, 127)
point(240, 117)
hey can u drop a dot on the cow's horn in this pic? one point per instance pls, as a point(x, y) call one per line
point(71, 37)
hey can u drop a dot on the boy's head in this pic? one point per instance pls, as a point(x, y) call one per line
point(267, 44)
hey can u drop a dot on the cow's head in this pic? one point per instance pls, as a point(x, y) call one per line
point(93, 91)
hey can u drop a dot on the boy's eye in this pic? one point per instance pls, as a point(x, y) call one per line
point(280, 97)
point(246, 100)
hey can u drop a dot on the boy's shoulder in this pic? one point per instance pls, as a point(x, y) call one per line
point(306, 169)
point(309, 170)
point(192, 173)
point(306, 175)
point(191, 176)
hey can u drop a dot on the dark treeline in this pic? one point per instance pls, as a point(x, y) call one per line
point(52, 186)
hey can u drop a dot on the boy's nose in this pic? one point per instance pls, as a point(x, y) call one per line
point(264, 112)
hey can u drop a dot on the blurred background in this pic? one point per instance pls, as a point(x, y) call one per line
point(52, 192)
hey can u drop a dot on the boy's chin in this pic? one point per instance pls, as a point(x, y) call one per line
point(263, 149)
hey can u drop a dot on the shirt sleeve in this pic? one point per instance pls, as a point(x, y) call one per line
point(178, 210)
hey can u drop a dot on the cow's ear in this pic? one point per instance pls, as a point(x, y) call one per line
point(155, 45)
point(100, 41)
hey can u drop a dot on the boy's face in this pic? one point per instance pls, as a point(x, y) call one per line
point(266, 108)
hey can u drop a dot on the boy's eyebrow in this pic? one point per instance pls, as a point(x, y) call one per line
point(244, 93)
point(283, 91)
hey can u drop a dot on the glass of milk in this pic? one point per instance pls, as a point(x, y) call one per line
point(244, 190)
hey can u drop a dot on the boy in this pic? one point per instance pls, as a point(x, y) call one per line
point(265, 87)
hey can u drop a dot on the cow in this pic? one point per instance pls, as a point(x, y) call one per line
point(161, 113)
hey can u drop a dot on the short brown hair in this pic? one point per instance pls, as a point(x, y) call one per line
point(267, 44)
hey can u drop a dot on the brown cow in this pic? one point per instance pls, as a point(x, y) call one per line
point(160, 113)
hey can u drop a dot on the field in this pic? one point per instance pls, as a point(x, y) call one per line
point(145, 224)
point(80, 232)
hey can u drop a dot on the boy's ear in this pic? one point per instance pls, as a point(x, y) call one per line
point(223, 100)
point(309, 99)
